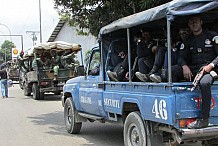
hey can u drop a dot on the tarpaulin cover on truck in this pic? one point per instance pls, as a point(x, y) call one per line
point(58, 46)
point(169, 10)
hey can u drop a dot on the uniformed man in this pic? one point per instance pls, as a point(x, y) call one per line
point(46, 58)
point(55, 62)
point(146, 49)
point(67, 60)
point(200, 50)
point(118, 63)
point(21, 59)
point(37, 62)
point(203, 51)
point(161, 58)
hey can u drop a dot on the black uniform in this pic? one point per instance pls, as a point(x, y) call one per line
point(118, 62)
point(199, 51)
point(174, 54)
point(145, 56)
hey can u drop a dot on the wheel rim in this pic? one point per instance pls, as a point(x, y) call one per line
point(69, 116)
point(134, 136)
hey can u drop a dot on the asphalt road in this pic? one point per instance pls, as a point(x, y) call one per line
point(27, 122)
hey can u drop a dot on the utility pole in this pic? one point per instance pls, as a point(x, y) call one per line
point(40, 21)
point(33, 35)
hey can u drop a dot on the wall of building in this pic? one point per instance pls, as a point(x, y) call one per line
point(69, 34)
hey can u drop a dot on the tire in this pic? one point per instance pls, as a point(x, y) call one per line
point(42, 96)
point(26, 90)
point(36, 93)
point(134, 130)
point(57, 93)
point(21, 84)
point(211, 142)
point(70, 118)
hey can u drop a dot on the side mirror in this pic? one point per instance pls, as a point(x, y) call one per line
point(80, 70)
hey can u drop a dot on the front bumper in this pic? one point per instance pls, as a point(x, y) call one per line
point(51, 89)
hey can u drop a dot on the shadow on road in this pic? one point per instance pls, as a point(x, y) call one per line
point(47, 97)
point(94, 133)
point(52, 120)
point(104, 134)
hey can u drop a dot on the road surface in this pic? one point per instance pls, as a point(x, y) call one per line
point(27, 122)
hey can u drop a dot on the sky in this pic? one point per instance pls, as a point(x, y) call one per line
point(21, 16)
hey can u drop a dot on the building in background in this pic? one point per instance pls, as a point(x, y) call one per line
point(64, 32)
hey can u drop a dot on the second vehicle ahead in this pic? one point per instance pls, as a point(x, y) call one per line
point(47, 66)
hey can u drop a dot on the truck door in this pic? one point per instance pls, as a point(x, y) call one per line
point(90, 93)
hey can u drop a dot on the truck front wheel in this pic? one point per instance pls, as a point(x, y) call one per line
point(70, 118)
point(26, 89)
point(36, 93)
point(211, 142)
point(21, 84)
point(134, 130)
point(57, 93)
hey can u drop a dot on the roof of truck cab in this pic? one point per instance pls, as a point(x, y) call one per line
point(169, 10)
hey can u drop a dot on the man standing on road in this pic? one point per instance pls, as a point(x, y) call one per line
point(4, 84)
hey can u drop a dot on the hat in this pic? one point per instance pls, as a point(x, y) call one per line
point(22, 52)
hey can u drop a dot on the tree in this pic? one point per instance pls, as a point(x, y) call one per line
point(87, 55)
point(6, 48)
point(94, 14)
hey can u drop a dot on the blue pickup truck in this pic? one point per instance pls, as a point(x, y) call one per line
point(152, 113)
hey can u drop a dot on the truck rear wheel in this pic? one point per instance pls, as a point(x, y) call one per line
point(211, 142)
point(42, 95)
point(36, 93)
point(70, 118)
point(21, 84)
point(26, 90)
point(57, 93)
point(134, 130)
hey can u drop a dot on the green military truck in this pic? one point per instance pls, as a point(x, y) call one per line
point(45, 70)
point(13, 70)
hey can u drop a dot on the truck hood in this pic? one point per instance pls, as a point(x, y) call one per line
point(75, 80)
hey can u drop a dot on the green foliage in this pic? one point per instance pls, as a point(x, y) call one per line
point(94, 14)
point(6, 48)
point(146, 4)
point(87, 55)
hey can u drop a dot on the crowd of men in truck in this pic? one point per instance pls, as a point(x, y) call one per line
point(192, 48)
point(48, 59)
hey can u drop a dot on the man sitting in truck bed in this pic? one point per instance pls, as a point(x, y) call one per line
point(161, 60)
point(118, 63)
point(55, 62)
point(145, 53)
point(67, 59)
point(37, 62)
point(141, 47)
point(200, 50)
